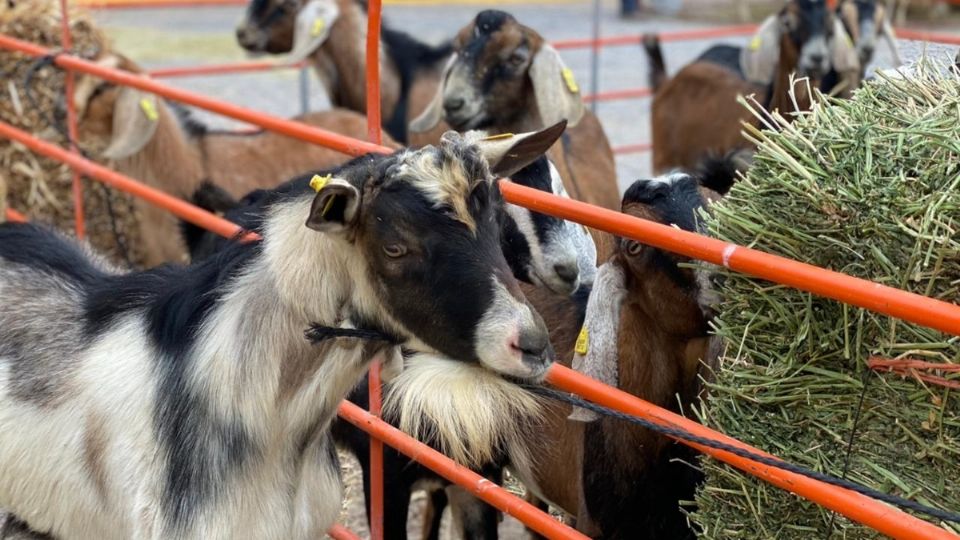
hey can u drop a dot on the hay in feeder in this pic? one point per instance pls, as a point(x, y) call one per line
point(41, 187)
point(869, 187)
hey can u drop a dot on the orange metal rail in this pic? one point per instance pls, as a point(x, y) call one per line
point(296, 130)
point(446, 467)
point(886, 519)
point(222, 69)
point(934, 37)
point(629, 93)
point(182, 209)
point(77, 188)
point(13, 215)
point(855, 291)
point(633, 148)
point(681, 35)
point(339, 532)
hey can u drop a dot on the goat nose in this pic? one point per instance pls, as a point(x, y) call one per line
point(568, 272)
point(816, 58)
point(242, 34)
point(453, 104)
point(535, 348)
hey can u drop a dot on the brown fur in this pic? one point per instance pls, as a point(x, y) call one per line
point(3, 199)
point(94, 440)
point(177, 163)
point(696, 114)
point(662, 340)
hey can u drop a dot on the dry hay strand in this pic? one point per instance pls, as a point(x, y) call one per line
point(869, 187)
point(40, 187)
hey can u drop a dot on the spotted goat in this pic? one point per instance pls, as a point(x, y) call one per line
point(185, 402)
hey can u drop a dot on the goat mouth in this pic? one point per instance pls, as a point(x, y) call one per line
point(467, 123)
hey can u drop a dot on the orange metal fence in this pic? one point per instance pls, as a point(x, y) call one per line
point(898, 303)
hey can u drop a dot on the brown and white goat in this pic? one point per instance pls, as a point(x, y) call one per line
point(505, 78)
point(696, 114)
point(331, 34)
point(184, 402)
point(144, 138)
point(647, 322)
point(865, 21)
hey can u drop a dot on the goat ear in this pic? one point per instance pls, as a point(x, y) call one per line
point(844, 56)
point(595, 353)
point(556, 91)
point(432, 115)
point(508, 153)
point(135, 119)
point(312, 27)
point(334, 209)
point(759, 58)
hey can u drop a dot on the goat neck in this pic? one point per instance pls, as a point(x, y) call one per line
point(780, 98)
point(340, 62)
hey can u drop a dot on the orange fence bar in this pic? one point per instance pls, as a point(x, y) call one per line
point(153, 4)
point(339, 532)
point(479, 486)
point(860, 508)
point(633, 148)
point(182, 209)
point(374, 388)
point(681, 35)
point(630, 93)
point(922, 35)
point(855, 291)
point(13, 215)
point(77, 188)
point(222, 69)
point(290, 128)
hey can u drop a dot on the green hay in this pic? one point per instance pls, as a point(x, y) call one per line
point(869, 187)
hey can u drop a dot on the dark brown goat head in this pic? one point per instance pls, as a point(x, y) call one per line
point(865, 21)
point(503, 75)
point(297, 27)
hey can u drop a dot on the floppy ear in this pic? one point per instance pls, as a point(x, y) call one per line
point(135, 120)
point(759, 58)
point(334, 209)
point(432, 115)
point(556, 91)
point(595, 353)
point(844, 56)
point(508, 153)
point(312, 27)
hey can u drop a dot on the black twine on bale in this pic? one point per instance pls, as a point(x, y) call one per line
point(752, 456)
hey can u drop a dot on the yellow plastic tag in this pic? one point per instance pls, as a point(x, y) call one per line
point(317, 182)
point(570, 80)
point(318, 25)
point(583, 341)
point(498, 137)
point(755, 43)
point(149, 109)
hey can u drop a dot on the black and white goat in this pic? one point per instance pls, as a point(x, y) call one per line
point(184, 402)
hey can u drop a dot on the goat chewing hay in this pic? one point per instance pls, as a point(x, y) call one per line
point(869, 187)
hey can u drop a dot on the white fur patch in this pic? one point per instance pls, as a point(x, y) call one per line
point(468, 411)
point(602, 323)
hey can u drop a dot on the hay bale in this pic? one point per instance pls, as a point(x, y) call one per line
point(37, 186)
point(869, 187)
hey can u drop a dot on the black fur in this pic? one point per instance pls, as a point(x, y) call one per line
point(718, 173)
point(727, 56)
point(43, 250)
point(657, 70)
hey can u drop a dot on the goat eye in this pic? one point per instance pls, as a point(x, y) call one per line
point(634, 248)
point(395, 251)
point(516, 59)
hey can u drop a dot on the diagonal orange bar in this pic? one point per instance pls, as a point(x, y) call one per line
point(79, 223)
point(185, 210)
point(17, 217)
point(290, 128)
point(860, 508)
point(904, 305)
point(479, 486)
point(339, 532)
point(222, 69)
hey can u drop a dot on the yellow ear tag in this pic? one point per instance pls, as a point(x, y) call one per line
point(318, 25)
point(149, 109)
point(583, 341)
point(755, 43)
point(568, 78)
point(498, 137)
point(317, 182)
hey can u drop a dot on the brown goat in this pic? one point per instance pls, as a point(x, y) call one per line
point(647, 319)
point(695, 114)
point(330, 34)
point(144, 139)
point(505, 78)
